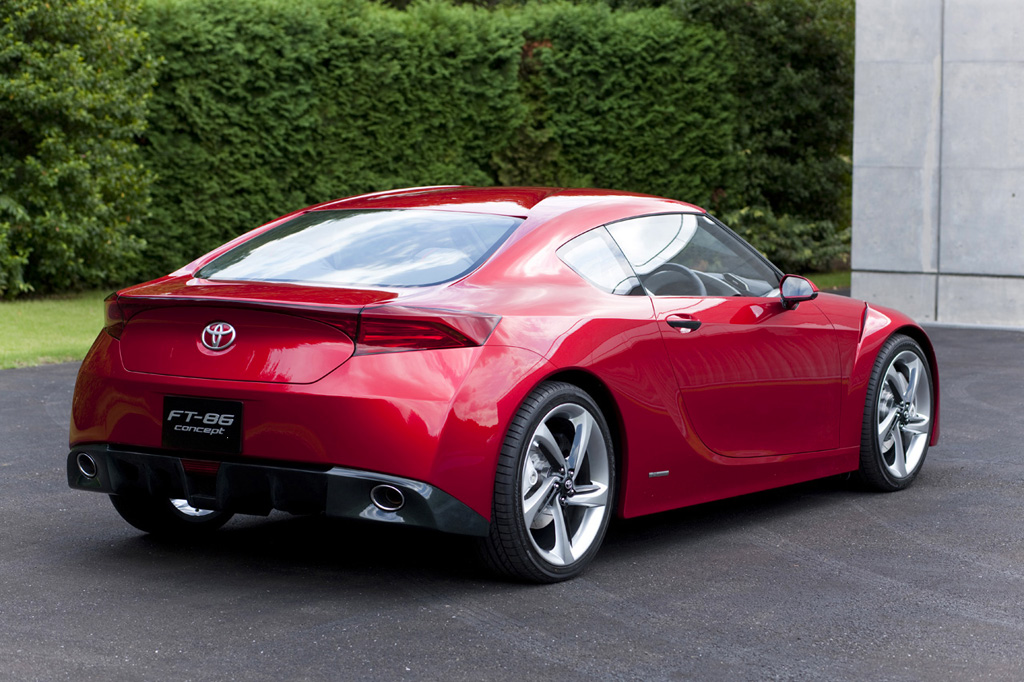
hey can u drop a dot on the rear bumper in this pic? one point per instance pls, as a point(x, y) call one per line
point(436, 416)
point(246, 488)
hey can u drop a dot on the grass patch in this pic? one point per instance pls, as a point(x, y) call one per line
point(48, 330)
point(838, 279)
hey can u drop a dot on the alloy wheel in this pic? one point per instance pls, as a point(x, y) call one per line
point(904, 414)
point(565, 480)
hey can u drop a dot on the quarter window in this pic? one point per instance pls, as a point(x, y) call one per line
point(596, 258)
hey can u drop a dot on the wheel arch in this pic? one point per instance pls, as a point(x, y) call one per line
point(878, 325)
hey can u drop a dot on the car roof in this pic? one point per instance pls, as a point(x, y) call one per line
point(537, 203)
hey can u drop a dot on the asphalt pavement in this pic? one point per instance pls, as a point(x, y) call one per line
point(811, 582)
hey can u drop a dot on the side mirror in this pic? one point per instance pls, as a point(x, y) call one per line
point(795, 289)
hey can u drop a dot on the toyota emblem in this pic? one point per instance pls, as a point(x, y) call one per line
point(218, 335)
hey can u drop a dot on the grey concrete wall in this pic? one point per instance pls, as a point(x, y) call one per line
point(938, 159)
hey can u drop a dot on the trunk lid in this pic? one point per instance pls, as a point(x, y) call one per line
point(240, 344)
point(240, 332)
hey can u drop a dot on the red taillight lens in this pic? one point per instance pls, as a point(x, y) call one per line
point(113, 316)
point(391, 329)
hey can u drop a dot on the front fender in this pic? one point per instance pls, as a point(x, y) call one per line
point(878, 325)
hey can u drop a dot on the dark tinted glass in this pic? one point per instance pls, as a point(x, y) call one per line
point(402, 248)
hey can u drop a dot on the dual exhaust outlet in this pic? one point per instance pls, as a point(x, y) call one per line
point(384, 496)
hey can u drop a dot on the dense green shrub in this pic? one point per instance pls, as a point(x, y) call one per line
point(786, 108)
point(796, 245)
point(793, 83)
point(74, 79)
point(265, 106)
point(626, 100)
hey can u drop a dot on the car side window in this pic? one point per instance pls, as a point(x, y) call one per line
point(684, 254)
point(595, 257)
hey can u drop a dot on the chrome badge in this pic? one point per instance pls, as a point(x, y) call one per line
point(218, 335)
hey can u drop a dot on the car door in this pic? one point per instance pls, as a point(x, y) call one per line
point(756, 379)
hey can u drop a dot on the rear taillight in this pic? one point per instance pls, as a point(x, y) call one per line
point(391, 329)
point(113, 316)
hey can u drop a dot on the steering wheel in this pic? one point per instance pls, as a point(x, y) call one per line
point(673, 279)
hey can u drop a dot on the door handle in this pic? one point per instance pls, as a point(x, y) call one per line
point(689, 324)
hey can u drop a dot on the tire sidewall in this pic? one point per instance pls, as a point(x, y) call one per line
point(517, 446)
point(873, 466)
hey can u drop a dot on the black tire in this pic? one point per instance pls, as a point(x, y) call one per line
point(898, 416)
point(161, 516)
point(578, 500)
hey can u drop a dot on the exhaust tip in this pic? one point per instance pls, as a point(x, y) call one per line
point(387, 498)
point(86, 465)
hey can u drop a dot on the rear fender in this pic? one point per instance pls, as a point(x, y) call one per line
point(479, 416)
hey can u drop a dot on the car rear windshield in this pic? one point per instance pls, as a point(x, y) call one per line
point(385, 248)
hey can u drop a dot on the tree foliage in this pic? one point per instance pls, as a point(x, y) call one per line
point(794, 244)
point(793, 84)
point(628, 100)
point(264, 106)
point(74, 81)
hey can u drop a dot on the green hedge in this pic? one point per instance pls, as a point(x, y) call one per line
point(798, 245)
point(793, 83)
point(264, 106)
point(74, 80)
point(626, 100)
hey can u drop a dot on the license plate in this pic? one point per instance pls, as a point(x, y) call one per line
point(202, 425)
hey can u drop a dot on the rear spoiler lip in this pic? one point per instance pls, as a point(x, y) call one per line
point(151, 302)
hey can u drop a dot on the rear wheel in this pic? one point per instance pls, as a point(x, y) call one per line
point(897, 416)
point(162, 516)
point(554, 488)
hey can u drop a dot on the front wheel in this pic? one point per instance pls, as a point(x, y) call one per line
point(172, 518)
point(898, 416)
point(554, 489)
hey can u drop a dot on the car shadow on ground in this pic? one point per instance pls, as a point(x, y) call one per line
point(702, 522)
point(337, 551)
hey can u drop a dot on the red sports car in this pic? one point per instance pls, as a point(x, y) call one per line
point(517, 364)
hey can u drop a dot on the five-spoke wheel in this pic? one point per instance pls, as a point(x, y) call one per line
point(897, 415)
point(554, 486)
